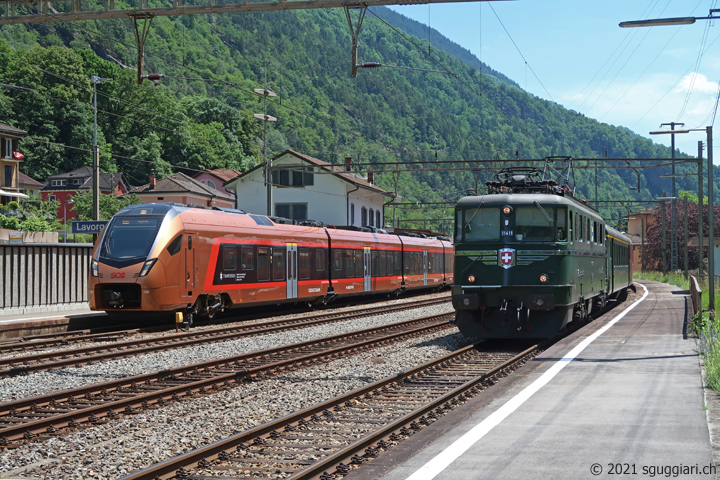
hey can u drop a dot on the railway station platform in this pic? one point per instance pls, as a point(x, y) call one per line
point(621, 398)
point(61, 319)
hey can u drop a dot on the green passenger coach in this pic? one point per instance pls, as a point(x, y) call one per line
point(530, 258)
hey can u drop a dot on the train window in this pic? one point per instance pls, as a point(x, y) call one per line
point(561, 223)
point(594, 232)
point(532, 225)
point(320, 259)
point(359, 263)
point(389, 264)
point(587, 229)
point(397, 263)
point(382, 264)
point(481, 224)
point(577, 227)
point(229, 253)
point(304, 263)
point(174, 246)
point(263, 264)
point(458, 225)
point(247, 258)
point(349, 263)
point(375, 270)
point(278, 263)
point(338, 260)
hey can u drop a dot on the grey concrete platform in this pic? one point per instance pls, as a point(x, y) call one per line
point(59, 319)
point(630, 404)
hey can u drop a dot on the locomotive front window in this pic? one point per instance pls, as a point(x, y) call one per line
point(532, 225)
point(129, 238)
point(481, 224)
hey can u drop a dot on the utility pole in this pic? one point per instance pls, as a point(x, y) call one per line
point(266, 118)
point(96, 153)
point(673, 213)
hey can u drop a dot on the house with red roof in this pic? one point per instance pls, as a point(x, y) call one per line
point(217, 177)
point(180, 188)
point(63, 186)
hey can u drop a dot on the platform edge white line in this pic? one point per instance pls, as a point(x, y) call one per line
point(442, 460)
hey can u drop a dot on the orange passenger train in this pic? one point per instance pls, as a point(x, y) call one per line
point(200, 261)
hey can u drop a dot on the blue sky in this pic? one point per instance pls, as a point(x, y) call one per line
point(574, 53)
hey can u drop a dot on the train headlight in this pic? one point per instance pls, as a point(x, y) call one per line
point(471, 279)
point(507, 210)
point(94, 268)
point(148, 265)
point(543, 278)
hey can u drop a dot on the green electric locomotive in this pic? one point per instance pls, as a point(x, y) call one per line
point(530, 258)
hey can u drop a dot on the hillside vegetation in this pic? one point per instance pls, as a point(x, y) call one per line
point(200, 116)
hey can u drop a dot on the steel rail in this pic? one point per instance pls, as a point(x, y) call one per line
point(230, 370)
point(93, 354)
point(201, 458)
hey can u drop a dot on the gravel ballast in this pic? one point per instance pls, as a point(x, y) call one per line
point(130, 443)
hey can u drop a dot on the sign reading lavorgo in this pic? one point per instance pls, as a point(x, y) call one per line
point(88, 227)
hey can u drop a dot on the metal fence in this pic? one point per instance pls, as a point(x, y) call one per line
point(36, 275)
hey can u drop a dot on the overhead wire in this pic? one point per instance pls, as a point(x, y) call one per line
point(465, 83)
point(629, 36)
point(696, 69)
point(527, 65)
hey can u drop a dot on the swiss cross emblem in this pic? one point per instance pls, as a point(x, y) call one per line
point(507, 257)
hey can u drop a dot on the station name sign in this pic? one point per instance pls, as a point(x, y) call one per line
point(88, 227)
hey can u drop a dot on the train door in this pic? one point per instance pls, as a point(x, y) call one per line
point(425, 268)
point(367, 270)
point(291, 256)
point(189, 264)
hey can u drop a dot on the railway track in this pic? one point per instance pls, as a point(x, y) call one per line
point(32, 343)
point(92, 354)
point(329, 439)
point(44, 415)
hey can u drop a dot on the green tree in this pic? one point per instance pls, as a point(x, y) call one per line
point(109, 204)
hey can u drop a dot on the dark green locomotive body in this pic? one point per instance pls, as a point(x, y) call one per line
point(527, 264)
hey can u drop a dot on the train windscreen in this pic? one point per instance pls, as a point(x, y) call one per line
point(479, 225)
point(129, 239)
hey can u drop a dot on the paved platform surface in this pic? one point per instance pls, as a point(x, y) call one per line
point(72, 317)
point(630, 404)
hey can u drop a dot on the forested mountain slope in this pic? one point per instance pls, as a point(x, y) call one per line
point(201, 114)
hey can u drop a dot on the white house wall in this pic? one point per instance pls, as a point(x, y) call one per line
point(326, 199)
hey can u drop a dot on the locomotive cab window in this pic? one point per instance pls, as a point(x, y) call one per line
point(175, 245)
point(561, 222)
point(129, 239)
point(532, 223)
point(481, 224)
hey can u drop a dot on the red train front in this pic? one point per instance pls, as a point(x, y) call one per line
point(166, 258)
